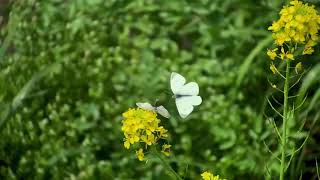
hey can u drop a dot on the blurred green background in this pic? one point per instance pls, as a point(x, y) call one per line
point(69, 69)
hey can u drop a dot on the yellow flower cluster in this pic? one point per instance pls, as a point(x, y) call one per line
point(142, 126)
point(298, 23)
point(298, 26)
point(208, 176)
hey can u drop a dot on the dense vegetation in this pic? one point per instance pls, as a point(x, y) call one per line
point(71, 68)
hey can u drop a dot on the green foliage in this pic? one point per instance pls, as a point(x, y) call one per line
point(107, 55)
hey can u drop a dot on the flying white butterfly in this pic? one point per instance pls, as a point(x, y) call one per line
point(186, 95)
point(159, 109)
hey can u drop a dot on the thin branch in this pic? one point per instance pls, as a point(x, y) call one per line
point(305, 120)
point(274, 87)
point(165, 163)
point(281, 75)
point(295, 82)
point(268, 171)
point(275, 127)
point(275, 100)
point(300, 105)
point(311, 128)
point(278, 89)
point(271, 151)
point(317, 169)
point(279, 72)
point(274, 108)
point(294, 96)
point(300, 178)
point(305, 140)
point(291, 157)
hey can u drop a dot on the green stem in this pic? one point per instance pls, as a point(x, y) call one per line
point(165, 163)
point(285, 119)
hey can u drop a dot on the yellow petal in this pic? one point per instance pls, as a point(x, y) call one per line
point(290, 56)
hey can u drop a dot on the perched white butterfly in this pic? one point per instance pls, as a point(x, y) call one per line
point(159, 109)
point(186, 95)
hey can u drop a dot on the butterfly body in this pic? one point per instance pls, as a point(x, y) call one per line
point(180, 96)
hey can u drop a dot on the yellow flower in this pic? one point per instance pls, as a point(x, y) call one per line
point(166, 149)
point(127, 144)
point(298, 68)
point(280, 38)
point(272, 53)
point(273, 69)
point(162, 132)
point(140, 154)
point(286, 55)
point(208, 176)
point(308, 48)
point(276, 26)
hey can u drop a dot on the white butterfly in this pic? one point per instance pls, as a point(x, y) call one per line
point(186, 94)
point(159, 109)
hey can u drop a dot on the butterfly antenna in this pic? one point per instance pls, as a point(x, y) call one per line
point(167, 91)
point(155, 102)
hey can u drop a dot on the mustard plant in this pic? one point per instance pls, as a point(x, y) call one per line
point(295, 34)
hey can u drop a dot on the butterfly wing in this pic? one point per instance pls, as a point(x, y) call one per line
point(145, 106)
point(191, 89)
point(185, 104)
point(188, 94)
point(160, 109)
point(176, 82)
point(163, 111)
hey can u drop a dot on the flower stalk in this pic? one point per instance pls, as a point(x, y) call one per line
point(165, 163)
point(285, 119)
